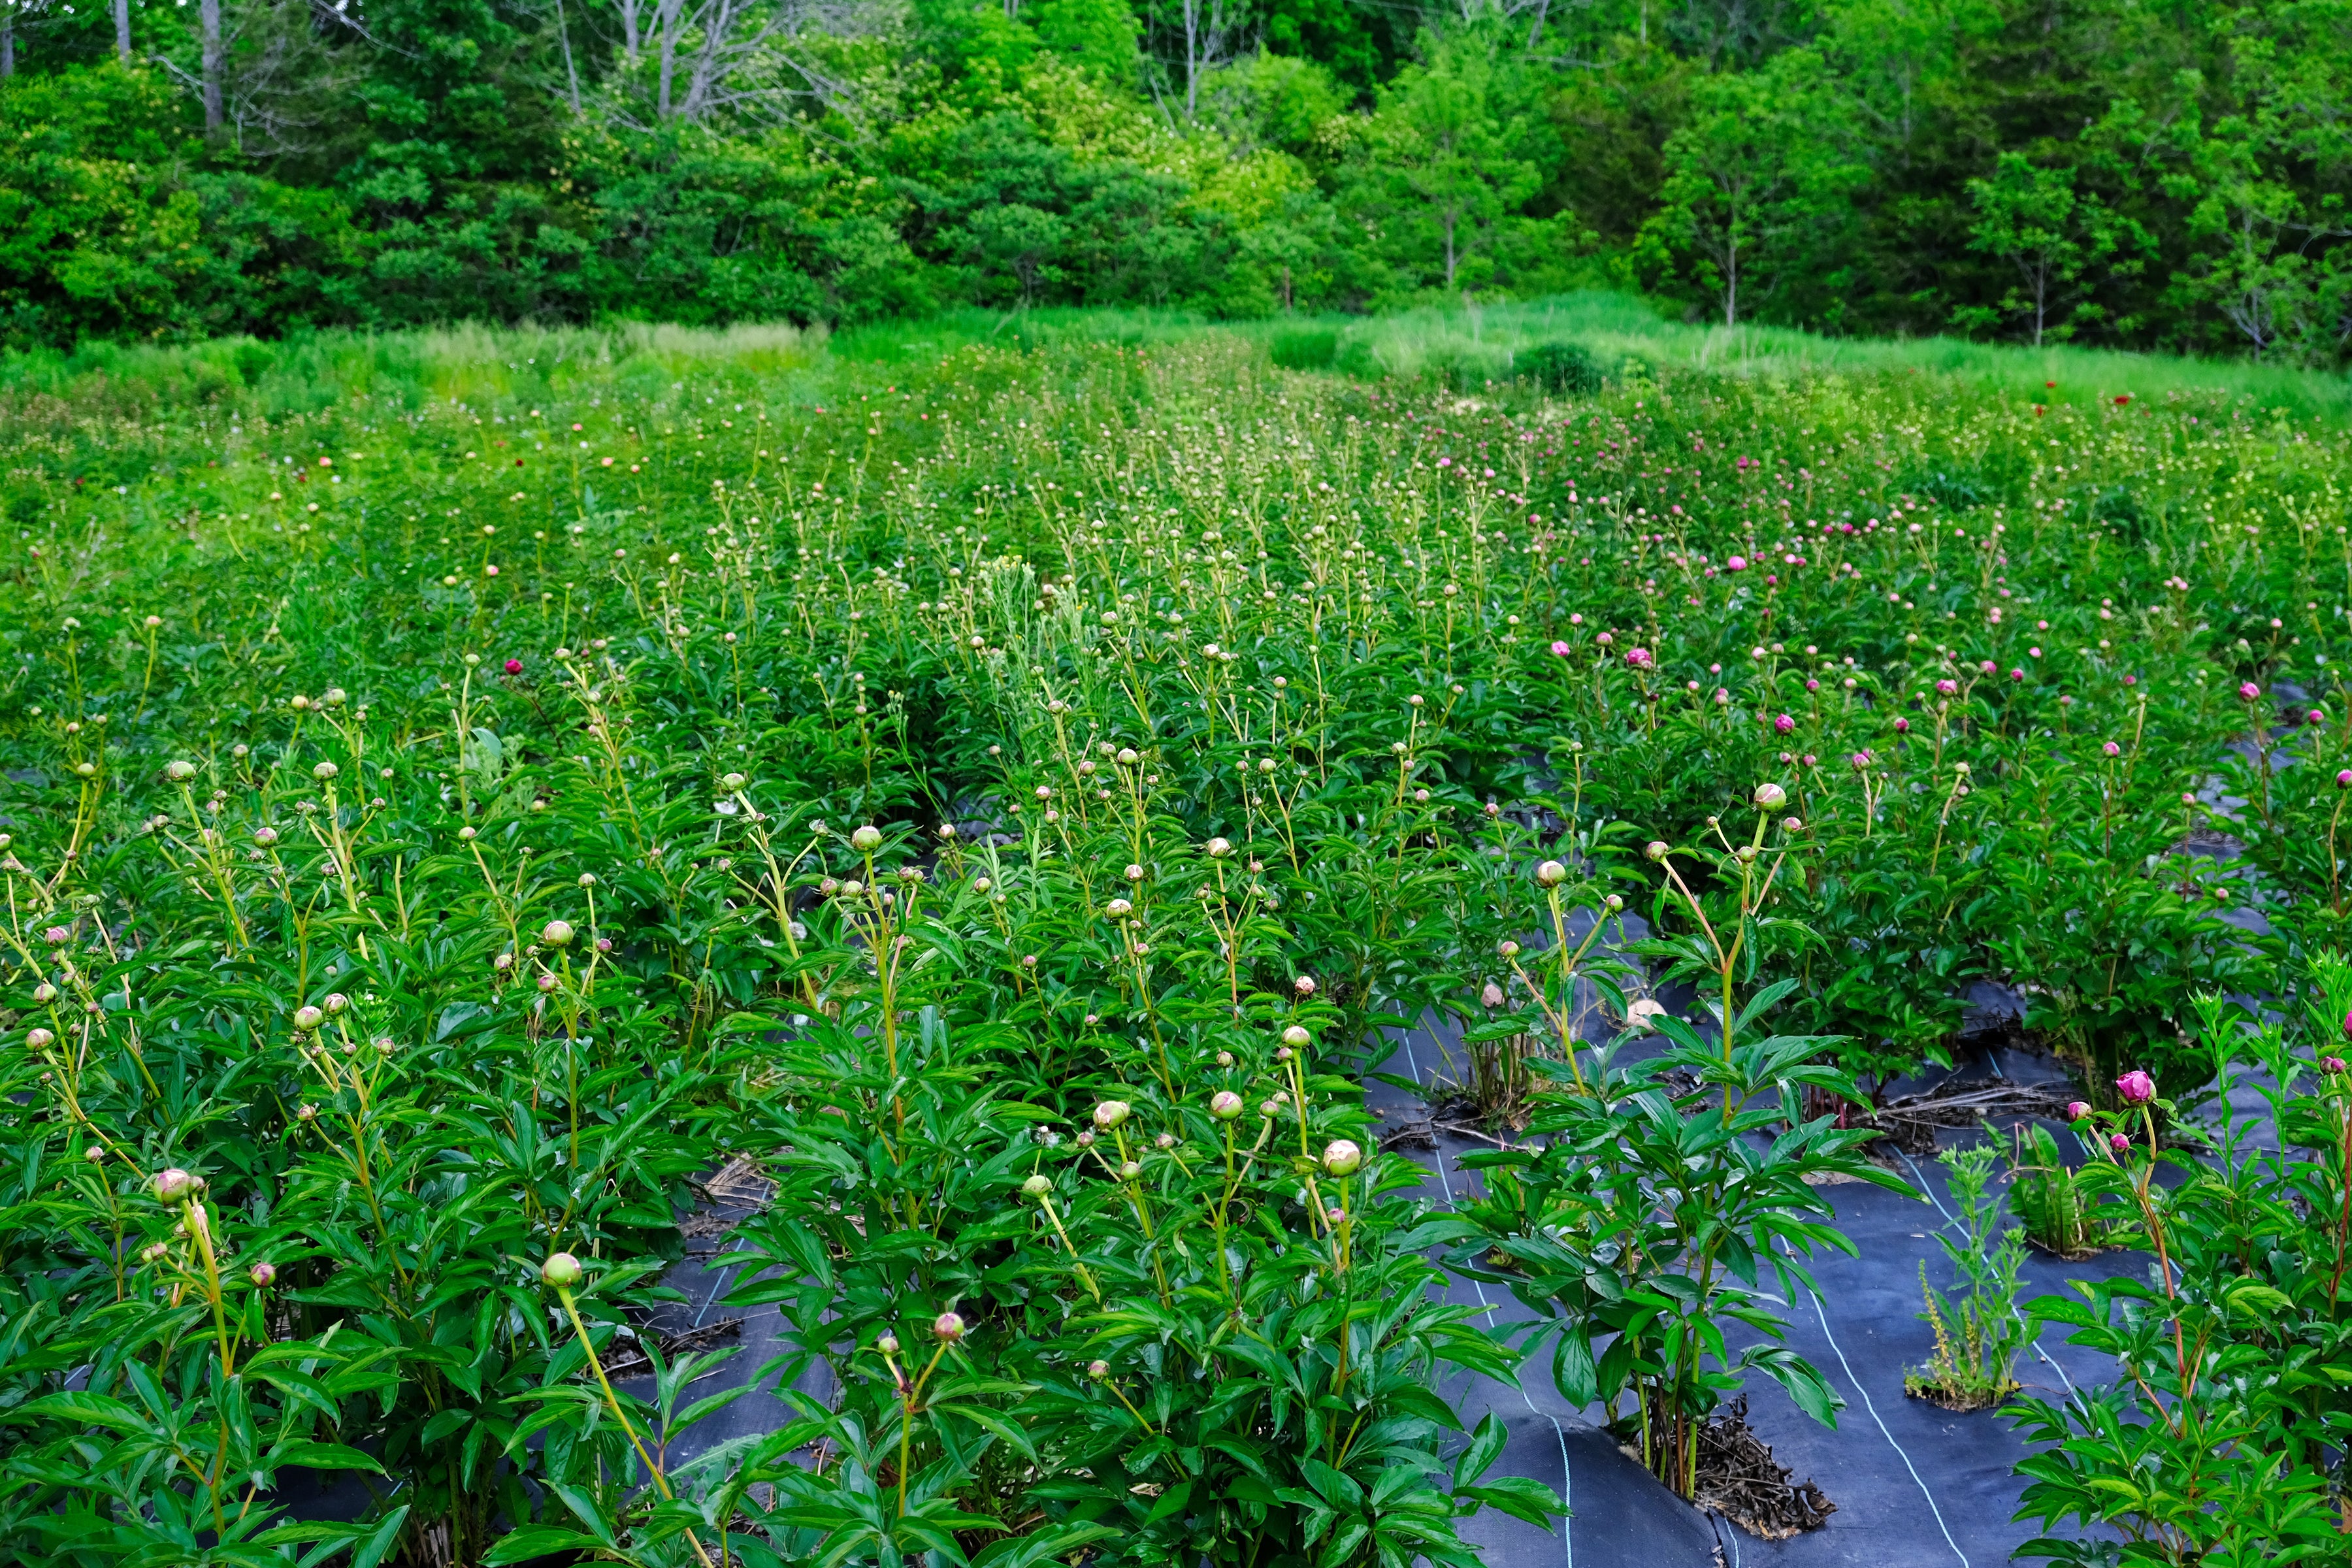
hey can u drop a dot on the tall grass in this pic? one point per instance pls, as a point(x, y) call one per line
point(462, 363)
point(1469, 344)
point(1464, 346)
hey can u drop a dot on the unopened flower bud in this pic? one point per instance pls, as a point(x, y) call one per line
point(887, 1344)
point(1304, 986)
point(1037, 1186)
point(867, 839)
point(307, 1019)
point(1098, 1370)
point(1128, 1171)
point(179, 772)
point(1296, 1037)
point(1110, 1113)
point(1342, 1157)
point(1552, 873)
point(1224, 1105)
point(174, 1185)
point(556, 934)
point(946, 1328)
point(1656, 850)
point(2077, 1111)
point(1769, 796)
point(560, 1270)
point(262, 1274)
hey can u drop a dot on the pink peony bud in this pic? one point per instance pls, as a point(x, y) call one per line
point(1303, 985)
point(946, 1328)
point(1492, 995)
point(2136, 1086)
point(2249, 692)
point(2111, 749)
point(1738, 564)
point(2077, 1111)
point(1559, 649)
point(514, 667)
point(2331, 1064)
point(2118, 1143)
point(1341, 1158)
point(1903, 726)
point(1638, 657)
point(1784, 723)
point(1224, 1105)
point(2315, 717)
point(560, 1270)
point(262, 1274)
point(173, 1184)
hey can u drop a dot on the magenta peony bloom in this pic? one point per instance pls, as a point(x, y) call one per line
point(2136, 1086)
point(2118, 1143)
point(1560, 648)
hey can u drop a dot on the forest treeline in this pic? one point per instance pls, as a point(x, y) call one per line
point(2149, 174)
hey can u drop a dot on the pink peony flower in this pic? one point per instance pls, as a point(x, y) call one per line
point(1784, 723)
point(1738, 564)
point(1560, 649)
point(2118, 1143)
point(1903, 726)
point(2249, 692)
point(2136, 1086)
point(514, 667)
point(2331, 1064)
point(2077, 1111)
point(1639, 658)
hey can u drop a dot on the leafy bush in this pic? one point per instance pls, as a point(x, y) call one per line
point(1560, 367)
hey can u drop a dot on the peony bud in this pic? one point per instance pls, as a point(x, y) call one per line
point(2331, 1064)
point(2136, 1086)
point(2118, 1143)
point(1037, 1186)
point(1304, 986)
point(867, 839)
point(2077, 1111)
point(262, 1275)
point(39, 1039)
point(887, 1344)
point(946, 1328)
point(1770, 795)
point(562, 1270)
point(178, 772)
point(1219, 847)
point(556, 934)
point(1224, 1105)
point(1341, 1158)
point(1296, 1037)
point(174, 1185)
point(307, 1019)
point(1552, 873)
point(1110, 1113)
point(1656, 850)
point(1098, 1370)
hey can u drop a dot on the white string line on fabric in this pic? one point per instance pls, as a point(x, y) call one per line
point(1952, 1220)
point(1868, 1404)
point(1567, 1476)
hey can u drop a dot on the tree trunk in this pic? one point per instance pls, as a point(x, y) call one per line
point(122, 30)
point(208, 14)
point(571, 71)
point(1449, 250)
point(1731, 288)
point(7, 40)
